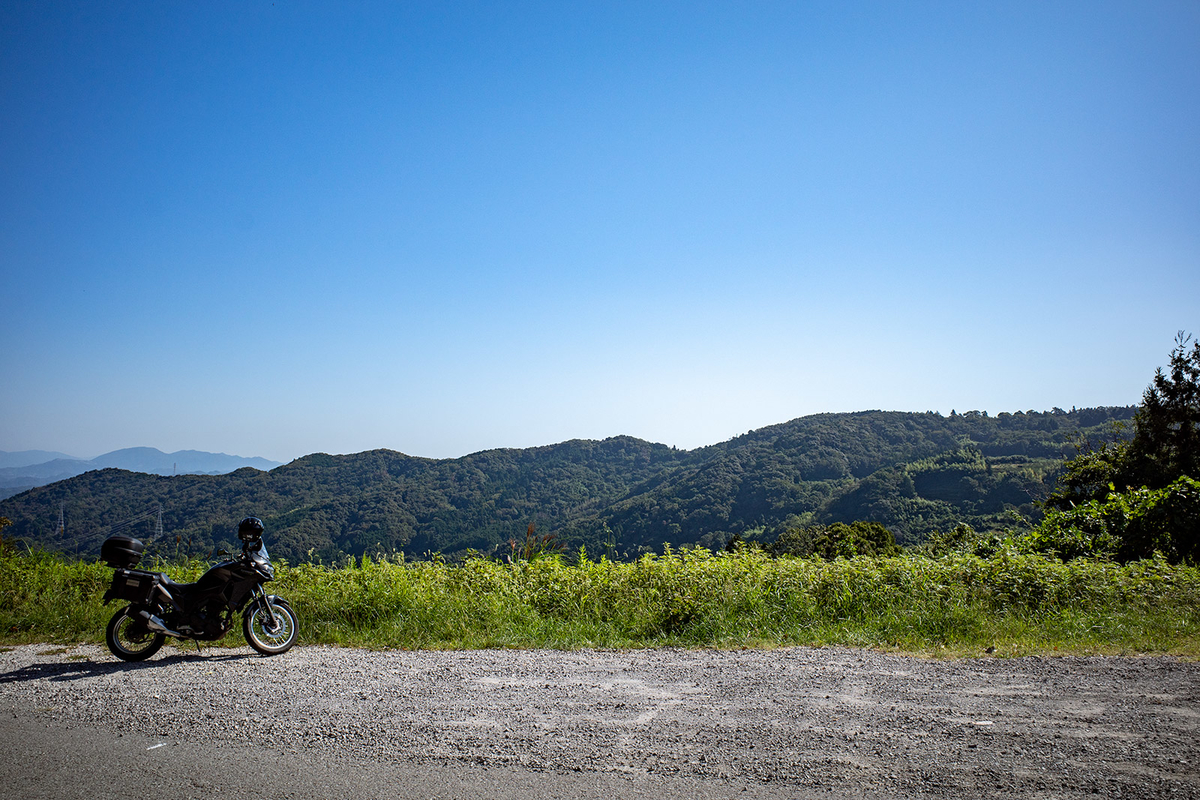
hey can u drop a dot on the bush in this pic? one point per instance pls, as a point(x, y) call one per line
point(962, 539)
point(838, 540)
point(1127, 525)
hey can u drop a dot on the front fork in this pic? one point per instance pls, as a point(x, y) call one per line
point(265, 599)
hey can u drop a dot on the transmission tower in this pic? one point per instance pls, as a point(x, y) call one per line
point(158, 527)
point(62, 521)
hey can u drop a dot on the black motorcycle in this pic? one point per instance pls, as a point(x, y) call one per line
point(203, 611)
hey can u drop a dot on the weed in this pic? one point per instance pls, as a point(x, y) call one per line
point(958, 604)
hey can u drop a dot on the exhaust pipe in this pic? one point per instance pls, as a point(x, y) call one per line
point(155, 624)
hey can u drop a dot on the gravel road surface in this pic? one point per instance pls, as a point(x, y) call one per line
point(790, 723)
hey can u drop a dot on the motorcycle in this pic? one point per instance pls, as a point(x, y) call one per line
point(201, 611)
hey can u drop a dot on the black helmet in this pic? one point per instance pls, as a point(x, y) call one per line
point(250, 529)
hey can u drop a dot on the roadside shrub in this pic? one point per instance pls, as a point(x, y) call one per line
point(1127, 525)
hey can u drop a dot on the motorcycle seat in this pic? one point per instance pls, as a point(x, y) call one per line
point(177, 590)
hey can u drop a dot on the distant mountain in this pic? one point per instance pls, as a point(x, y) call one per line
point(56, 470)
point(16, 479)
point(148, 459)
point(915, 473)
point(25, 458)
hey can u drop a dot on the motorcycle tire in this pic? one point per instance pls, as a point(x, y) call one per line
point(129, 639)
point(260, 636)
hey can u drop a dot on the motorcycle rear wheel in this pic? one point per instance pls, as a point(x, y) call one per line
point(256, 626)
point(129, 639)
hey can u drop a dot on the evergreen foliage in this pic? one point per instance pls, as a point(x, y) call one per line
point(1131, 499)
point(1164, 446)
point(1166, 439)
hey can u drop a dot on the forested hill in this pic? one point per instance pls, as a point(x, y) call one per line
point(914, 473)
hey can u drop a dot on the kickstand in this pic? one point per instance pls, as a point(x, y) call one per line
point(197, 641)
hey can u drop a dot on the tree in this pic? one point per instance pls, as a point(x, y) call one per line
point(1166, 441)
point(839, 539)
point(1133, 499)
point(796, 541)
point(1091, 475)
point(1164, 447)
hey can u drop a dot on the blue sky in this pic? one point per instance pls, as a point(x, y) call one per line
point(275, 229)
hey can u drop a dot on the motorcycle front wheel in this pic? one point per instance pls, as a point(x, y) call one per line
point(129, 639)
point(268, 640)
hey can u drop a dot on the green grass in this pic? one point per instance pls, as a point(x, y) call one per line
point(1018, 604)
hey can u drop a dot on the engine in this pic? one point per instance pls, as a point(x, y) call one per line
point(206, 622)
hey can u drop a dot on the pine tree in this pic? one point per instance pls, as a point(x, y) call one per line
point(1166, 440)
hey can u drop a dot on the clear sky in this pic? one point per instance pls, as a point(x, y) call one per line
point(278, 228)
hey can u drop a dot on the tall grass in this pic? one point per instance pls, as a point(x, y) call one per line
point(956, 604)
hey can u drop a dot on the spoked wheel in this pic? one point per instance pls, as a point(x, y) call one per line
point(129, 639)
point(268, 639)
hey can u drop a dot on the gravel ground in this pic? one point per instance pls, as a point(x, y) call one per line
point(797, 721)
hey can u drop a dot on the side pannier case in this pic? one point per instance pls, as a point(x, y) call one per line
point(134, 585)
point(122, 552)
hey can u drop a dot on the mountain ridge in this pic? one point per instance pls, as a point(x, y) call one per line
point(26, 458)
point(914, 472)
point(21, 477)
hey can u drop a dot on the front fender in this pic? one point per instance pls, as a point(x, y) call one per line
point(275, 599)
